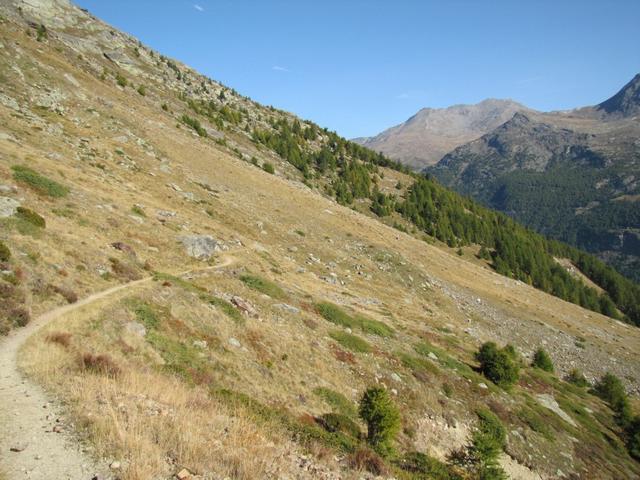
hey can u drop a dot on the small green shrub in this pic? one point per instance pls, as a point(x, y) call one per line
point(5, 253)
point(487, 443)
point(382, 418)
point(542, 360)
point(263, 285)
point(611, 390)
point(41, 33)
point(498, 365)
point(350, 342)
point(37, 182)
point(424, 466)
point(633, 438)
point(269, 168)
point(373, 327)
point(336, 422)
point(334, 314)
point(142, 90)
point(337, 401)
point(31, 217)
point(137, 210)
point(121, 80)
point(195, 124)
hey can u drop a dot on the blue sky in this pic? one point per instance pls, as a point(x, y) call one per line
point(358, 67)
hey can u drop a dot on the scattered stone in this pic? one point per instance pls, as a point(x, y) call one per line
point(547, 401)
point(8, 207)
point(115, 465)
point(244, 306)
point(287, 308)
point(234, 342)
point(395, 377)
point(19, 447)
point(183, 474)
point(483, 386)
point(136, 328)
point(200, 344)
point(200, 247)
point(432, 356)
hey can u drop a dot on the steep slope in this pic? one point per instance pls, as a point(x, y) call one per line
point(433, 132)
point(127, 164)
point(572, 176)
point(625, 103)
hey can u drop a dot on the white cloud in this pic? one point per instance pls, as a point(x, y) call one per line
point(198, 7)
point(278, 68)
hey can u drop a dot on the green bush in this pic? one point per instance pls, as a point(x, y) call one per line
point(263, 285)
point(5, 253)
point(31, 217)
point(39, 183)
point(425, 466)
point(269, 168)
point(121, 80)
point(195, 124)
point(382, 418)
point(487, 443)
point(498, 365)
point(334, 314)
point(576, 377)
point(633, 438)
point(542, 360)
point(142, 90)
point(611, 390)
point(336, 422)
point(350, 342)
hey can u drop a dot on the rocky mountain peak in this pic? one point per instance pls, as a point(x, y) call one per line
point(625, 103)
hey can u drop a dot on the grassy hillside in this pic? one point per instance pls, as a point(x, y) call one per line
point(267, 308)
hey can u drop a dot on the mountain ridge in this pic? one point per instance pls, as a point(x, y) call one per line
point(432, 132)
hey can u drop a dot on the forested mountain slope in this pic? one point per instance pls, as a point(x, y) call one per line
point(572, 176)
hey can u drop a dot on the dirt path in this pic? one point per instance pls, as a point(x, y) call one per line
point(29, 446)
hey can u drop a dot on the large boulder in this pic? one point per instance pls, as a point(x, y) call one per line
point(201, 247)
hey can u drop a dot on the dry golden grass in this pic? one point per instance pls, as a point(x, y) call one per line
point(154, 424)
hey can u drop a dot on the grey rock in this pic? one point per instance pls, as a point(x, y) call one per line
point(287, 308)
point(201, 247)
point(8, 206)
point(136, 328)
point(234, 342)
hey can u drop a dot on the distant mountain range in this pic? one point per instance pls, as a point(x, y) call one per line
point(433, 132)
point(572, 175)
